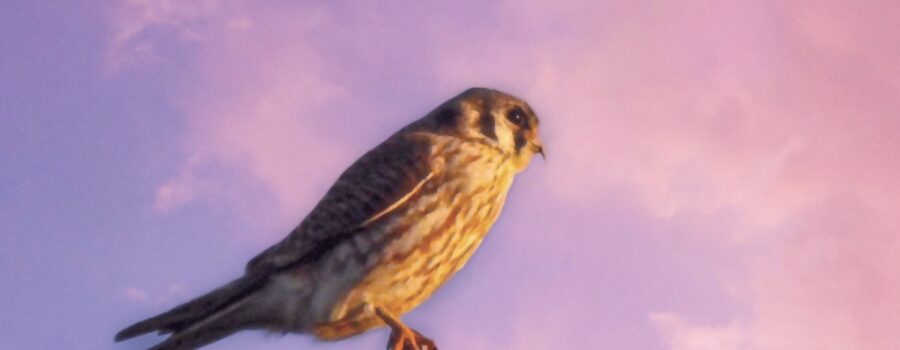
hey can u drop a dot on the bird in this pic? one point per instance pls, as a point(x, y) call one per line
point(394, 227)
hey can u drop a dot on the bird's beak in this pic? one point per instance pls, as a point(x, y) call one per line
point(538, 147)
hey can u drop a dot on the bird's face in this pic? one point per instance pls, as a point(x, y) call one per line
point(494, 117)
point(516, 127)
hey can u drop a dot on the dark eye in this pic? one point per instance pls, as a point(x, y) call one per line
point(516, 116)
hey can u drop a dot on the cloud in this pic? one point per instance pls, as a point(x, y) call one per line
point(137, 25)
point(832, 284)
point(681, 335)
point(172, 293)
point(255, 112)
point(182, 189)
point(135, 294)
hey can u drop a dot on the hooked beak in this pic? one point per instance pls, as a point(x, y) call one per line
point(537, 147)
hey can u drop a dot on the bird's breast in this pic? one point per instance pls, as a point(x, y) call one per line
point(421, 245)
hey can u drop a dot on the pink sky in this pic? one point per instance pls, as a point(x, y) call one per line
point(720, 174)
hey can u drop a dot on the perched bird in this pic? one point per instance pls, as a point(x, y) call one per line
point(392, 229)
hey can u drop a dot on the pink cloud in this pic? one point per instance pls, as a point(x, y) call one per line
point(168, 295)
point(131, 22)
point(833, 283)
point(681, 335)
point(253, 118)
point(135, 294)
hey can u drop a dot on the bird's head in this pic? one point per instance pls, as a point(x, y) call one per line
point(493, 117)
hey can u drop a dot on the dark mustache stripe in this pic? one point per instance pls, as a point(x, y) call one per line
point(520, 140)
point(486, 119)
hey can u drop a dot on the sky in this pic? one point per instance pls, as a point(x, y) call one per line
point(720, 174)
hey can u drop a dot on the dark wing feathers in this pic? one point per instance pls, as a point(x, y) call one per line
point(373, 184)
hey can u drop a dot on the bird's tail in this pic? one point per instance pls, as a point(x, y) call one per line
point(205, 319)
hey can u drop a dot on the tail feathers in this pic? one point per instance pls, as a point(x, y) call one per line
point(223, 323)
point(188, 314)
point(193, 340)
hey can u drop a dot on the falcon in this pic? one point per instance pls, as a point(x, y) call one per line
point(393, 228)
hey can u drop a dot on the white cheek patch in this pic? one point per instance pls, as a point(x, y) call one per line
point(505, 136)
point(492, 128)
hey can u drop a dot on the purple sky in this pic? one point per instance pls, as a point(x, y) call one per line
point(720, 174)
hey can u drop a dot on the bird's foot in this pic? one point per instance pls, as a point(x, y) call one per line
point(403, 337)
point(409, 339)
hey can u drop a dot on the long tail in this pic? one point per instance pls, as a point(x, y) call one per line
point(205, 319)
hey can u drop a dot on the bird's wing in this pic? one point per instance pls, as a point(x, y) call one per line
point(380, 182)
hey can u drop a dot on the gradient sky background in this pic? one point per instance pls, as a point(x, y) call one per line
point(720, 174)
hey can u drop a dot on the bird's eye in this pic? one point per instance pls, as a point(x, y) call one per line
point(516, 116)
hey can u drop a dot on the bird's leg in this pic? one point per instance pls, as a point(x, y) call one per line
point(403, 337)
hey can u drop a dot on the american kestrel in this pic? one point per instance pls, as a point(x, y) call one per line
point(393, 228)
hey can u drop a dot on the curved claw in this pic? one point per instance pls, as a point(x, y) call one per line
point(409, 339)
point(403, 337)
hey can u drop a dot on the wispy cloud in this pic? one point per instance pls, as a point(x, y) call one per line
point(135, 294)
point(682, 335)
point(170, 294)
point(140, 26)
point(255, 110)
point(831, 284)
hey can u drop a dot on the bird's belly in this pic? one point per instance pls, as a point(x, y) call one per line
point(426, 244)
